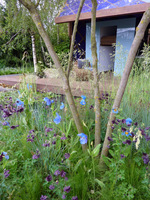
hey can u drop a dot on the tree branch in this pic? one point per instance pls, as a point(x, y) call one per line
point(13, 37)
point(73, 37)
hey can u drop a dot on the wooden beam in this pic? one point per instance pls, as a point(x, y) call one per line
point(126, 10)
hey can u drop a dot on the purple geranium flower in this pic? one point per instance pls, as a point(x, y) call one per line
point(67, 155)
point(51, 187)
point(145, 158)
point(6, 173)
point(57, 173)
point(43, 197)
point(63, 196)
point(48, 178)
point(57, 120)
point(67, 189)
point(74, 198)
point(127, 142)
point(83, 138)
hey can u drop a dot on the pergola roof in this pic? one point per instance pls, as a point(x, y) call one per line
point(105, 8)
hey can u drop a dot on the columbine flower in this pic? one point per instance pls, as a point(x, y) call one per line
point(145, 158)
point(29, 86)
point(62, 106)
point(43, 197)
point(1, 157)
point(6, 173)
point(122, 156)
point(67, 155)
point(47, 130)
point(5, 154)
point(48, 178)
point(63, 173)
point(67, 189)
point(46, 144)
point(82, 102)
point(51, 187)
point(83, 138)
point(109, 139)
point(115, 111)
point(19, 103)
point(48, 101)
point(36, 156)
point(128, 121)
point(74, 198)
point(57, 120)
point(13, 127)
point(127, 133)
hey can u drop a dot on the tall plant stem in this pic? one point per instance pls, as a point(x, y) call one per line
point(95, 73)
point(140, 30)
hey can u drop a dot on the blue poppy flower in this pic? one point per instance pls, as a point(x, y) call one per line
point(19, 103)
point(115, 111)
point(83, 97)
point(48, 101)
point(57, 120)
point(128, 121)
point(5, 154)
point(62, 106)
point(127, 133)
point(82, 102)
point(83, 138)
point(29, 86)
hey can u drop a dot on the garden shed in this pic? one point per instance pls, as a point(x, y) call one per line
point(115, 29)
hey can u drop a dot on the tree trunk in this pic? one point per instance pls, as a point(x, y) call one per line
point(34, 53)
point(95, 73)
point(37, 20)
point(132, 53)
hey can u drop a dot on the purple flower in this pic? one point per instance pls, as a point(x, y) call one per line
point(55, 135)
point(46, 145)
point(49, 178)
point(145, 158)
point(35, 156)
point(115, 111)
point(147, 128)
point(30, 140)
point(147, 137)
point(47, 130)
point(91, 107)
point(122, 156)
point(123, 121)
point(54, 142)
point(57, 119)
point(63, 196)
point(67, 155)
point(51, 187)
point(62, 106)
point(112, 127)
point(127, 142)
point(6, 123)
point(128, 121)
point(127, 133)
point(31, 131)
point(64, 137)
point(74, 198)
point(6, 173)
point(67, 189)
point(63, 173)
point(43, 197)
point(1, 157)
point(66, 178)
point(57, 173)
point(135, 123)
point(109, 139)
point(13, 127)
point(123, 129)
point(83, 138)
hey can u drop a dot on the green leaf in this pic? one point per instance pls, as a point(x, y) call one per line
point(68, 130)
point(78, 164)
point(100, 183)
point(96, 150)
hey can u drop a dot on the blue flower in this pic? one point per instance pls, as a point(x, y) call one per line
point(62, 106)
point(83, 97)
point(128, 121)
point(83, 138)
point(82, 102)
point(115, 111)
point(29, 86)
point(48, 101)
point(19, 103)
point(57, 120)
point(127, 133)
point(5, 154)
